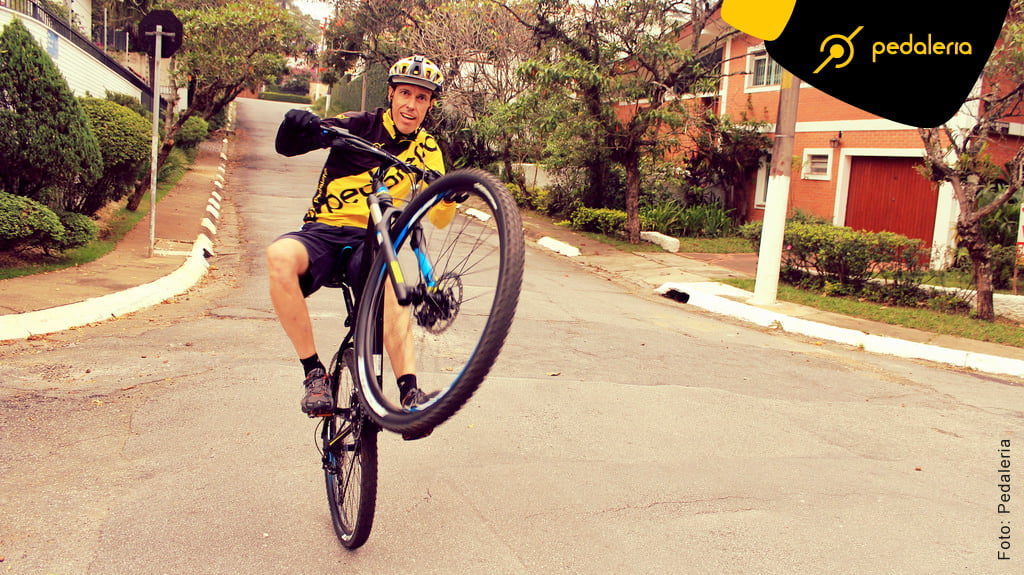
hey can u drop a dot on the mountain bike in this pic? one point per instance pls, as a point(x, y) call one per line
point(460, 284)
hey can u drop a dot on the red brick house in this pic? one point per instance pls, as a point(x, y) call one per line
point(853, 168)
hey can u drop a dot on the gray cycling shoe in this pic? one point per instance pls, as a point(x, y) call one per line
point(318, 401)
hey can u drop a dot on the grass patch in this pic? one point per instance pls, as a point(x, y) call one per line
point(1002, 331)
point(734, 245)
point(113, 229)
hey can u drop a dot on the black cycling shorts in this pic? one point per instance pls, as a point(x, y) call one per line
point(325, 244)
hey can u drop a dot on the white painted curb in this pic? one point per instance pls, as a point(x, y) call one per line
point(557, 246)
point(698, 296)
point(25, 325)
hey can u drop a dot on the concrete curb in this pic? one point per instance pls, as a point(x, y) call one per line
point(697, 294)
point(28, 324)
point(710, 296)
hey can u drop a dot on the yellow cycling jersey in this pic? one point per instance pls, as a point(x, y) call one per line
point(340, 198)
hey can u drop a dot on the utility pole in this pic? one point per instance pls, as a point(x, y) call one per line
point(769, 259)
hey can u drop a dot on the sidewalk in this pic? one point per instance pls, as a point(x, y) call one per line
point(127, 279)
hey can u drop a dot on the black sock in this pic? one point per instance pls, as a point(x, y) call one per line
point(312, 362)
point(406, 382)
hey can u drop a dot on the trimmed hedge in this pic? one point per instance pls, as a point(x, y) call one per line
point(124, 138)
point(882, 266)
point(25, 222)
point(79, 230)
point(282, 97)
point(600, 220)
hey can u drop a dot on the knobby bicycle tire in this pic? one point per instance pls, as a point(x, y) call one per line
point(350, 460)
point(463, 320)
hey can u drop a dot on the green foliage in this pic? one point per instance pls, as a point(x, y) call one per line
point(124, 139)
point(578, 90)
point(194, 131)
point(600, 220)
point(25, 223)
point(663, 217)
point(725, 154)
point(706, 221)
point(130, 102)
point(46, 141)
point(231, 46)
point(697, 221)
point(530, 198)
point(880, 266)
point(1000, 228)
point(79, 230)
point(283, 97)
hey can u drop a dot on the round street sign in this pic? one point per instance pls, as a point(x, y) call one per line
point(171, 33)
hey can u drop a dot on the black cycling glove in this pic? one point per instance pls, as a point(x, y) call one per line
point(299, 133)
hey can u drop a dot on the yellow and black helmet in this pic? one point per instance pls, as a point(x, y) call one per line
point(417, 70)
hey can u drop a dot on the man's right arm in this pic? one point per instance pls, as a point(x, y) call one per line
point(298, 133)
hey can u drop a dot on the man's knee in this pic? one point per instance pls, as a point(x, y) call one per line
point(287, 257)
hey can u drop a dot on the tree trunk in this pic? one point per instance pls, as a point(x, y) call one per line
point(506, 159)
point(145, 184)
point(631, 163)
point(981, 260)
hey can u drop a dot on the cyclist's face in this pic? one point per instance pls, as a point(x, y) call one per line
point(409, 105)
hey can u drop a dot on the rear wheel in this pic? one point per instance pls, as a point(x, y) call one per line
point(464, 278)
point(350, 460)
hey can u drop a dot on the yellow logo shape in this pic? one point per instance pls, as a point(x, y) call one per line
point(841, 49)
point(764, 19)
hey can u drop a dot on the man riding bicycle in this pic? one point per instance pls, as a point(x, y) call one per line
point(301, 262)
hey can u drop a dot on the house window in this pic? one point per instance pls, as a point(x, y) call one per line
point(817, 165)
point(761, 189)
point(764, 71)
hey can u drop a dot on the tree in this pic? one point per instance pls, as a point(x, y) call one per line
point(724, 154)
point(963, 156)
point(480, 46)
point(227, 48)
point(624, 68)
point(124, 140)
point(46, 142)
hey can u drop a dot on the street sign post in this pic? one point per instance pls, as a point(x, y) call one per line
point(160, 33)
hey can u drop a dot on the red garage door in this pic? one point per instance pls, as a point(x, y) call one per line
point(888, 194)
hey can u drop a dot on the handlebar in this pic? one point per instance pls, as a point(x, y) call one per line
point(342, 138)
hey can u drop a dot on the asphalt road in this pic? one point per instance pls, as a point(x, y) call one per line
point(619, 433)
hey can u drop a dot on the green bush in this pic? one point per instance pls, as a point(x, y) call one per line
point(706, 221)
point(79, 230)
point(125, 143)
point(880, 266)
point(177, 161)
point(663, 217)
point(194, 131)
point(26, 223)
point(282, 97)
point(219, 120)
point(46, 141)
point(132, 103)
point(600, 220)
point(530, 198)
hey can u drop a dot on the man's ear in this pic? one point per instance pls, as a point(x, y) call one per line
point(391, 93)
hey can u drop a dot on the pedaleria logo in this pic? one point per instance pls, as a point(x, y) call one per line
point(910, 61)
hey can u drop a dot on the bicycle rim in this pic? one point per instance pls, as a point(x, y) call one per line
point(471, 289)
point(350, 461)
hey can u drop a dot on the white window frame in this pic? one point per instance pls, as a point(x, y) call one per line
point(761, 187)
point(805, 169)
point(753, 55)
